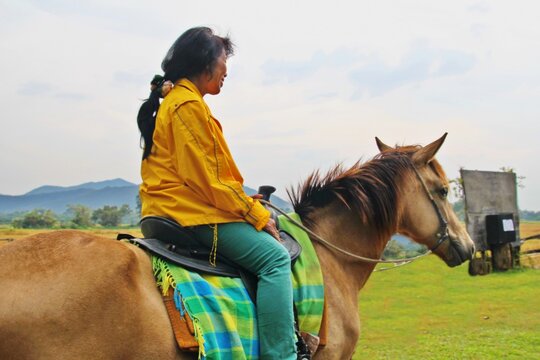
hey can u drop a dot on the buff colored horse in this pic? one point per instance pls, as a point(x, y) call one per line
point(72, 295)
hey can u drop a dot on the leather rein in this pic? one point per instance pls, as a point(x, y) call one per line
point(441, 235)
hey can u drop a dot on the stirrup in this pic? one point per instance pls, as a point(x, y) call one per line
point(302, 349)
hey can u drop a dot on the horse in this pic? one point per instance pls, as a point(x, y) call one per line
point(70, 294)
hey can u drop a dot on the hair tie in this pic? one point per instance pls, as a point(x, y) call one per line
point(166, 88)
point(157, 80)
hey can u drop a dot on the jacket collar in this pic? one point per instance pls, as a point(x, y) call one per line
point(186, 83)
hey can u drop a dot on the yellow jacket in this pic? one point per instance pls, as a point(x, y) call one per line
point(190, 176)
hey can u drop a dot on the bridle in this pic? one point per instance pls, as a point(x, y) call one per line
point(442, 233)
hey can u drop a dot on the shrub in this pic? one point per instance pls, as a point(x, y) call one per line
point(36, 219)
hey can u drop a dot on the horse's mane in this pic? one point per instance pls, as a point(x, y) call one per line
point(372, 189)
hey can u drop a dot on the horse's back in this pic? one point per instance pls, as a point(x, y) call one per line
point(70, 294)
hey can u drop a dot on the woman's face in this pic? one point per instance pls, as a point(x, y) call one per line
point(218, 75)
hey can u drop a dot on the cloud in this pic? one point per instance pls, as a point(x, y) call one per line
point(423, 62)
point(71, 96)
point(132, 19)
point(45, 89)
point(369, 74)
point(131, 78)
point(452, 62)
point(293, 71)
point(35, 88)
point(322, 96)
point(479, 7)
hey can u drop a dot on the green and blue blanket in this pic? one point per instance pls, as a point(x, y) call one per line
point(223, 314)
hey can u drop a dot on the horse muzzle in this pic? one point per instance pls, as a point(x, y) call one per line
point(455, 250)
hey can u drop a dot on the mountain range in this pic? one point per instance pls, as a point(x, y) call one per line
point(92, 194)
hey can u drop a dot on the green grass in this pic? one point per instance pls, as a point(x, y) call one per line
point(426, 310)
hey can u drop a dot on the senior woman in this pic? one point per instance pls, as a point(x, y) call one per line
point(189, 175)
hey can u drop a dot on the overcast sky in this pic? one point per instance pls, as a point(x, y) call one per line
point(312, 83)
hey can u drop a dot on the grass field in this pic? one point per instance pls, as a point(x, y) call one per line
point(426, 310)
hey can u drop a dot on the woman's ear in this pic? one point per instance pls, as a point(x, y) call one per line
point(208, 73)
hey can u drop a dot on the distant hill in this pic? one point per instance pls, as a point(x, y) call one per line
point(57, 198)
point(92, 194)
point(47, 189)
point(279, 202)
point(404, 241)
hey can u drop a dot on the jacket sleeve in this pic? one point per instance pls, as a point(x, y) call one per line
point(202, 164)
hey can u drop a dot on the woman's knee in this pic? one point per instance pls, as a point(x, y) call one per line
point(283, 256)
point(278, 258)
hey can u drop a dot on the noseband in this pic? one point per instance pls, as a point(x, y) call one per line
point(442, 233)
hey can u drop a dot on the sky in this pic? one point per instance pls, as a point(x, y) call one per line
point(312, 83)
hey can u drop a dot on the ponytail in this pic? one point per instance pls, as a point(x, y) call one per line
point(146, 118)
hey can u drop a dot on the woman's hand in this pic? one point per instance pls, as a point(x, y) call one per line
point(271, 228)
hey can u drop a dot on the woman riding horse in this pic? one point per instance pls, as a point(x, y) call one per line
point(190, 176)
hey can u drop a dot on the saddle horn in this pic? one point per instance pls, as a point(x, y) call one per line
point(266, 191)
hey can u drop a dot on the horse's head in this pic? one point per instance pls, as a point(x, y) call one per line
point(426, 215)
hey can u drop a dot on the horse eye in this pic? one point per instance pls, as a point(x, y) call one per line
point(443, 192)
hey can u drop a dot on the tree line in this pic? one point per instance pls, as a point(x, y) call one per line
point(396, 250)
point(76, 216)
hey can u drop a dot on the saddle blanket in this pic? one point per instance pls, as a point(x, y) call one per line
point(222, 313)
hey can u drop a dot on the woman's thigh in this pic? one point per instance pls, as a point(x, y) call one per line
point(256, 251)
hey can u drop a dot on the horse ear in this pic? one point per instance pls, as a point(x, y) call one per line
point(427, 153)
point(382, 146)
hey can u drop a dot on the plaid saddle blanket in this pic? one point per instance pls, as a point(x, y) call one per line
point(221, 312)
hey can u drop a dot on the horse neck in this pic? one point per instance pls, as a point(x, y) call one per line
point(342, 227)
point(343, 275)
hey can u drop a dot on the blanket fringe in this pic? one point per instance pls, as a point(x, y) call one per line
point(199, 337)
point(162, 273)
point(165, 280)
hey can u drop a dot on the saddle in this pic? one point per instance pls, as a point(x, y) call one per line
point(168, 239)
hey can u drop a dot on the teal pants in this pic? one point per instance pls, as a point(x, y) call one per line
point(262, 255)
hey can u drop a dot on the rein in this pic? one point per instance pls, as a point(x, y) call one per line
point(442, 233)
point(338, 249)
